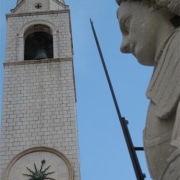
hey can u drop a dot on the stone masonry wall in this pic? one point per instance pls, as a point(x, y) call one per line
point(39, 109)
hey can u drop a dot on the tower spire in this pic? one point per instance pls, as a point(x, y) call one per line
point(62, 1)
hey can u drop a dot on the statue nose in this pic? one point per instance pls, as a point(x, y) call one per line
point(125, 47)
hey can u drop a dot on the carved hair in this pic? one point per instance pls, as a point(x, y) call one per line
point(175, 20)
point(147, 1)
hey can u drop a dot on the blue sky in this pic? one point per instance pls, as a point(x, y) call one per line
point(103, 152)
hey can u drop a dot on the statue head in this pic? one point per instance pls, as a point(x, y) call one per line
point(145, 28)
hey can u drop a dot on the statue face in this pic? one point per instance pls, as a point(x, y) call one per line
point(140, 28)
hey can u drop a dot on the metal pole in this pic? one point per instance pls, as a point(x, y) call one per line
point(122, 120)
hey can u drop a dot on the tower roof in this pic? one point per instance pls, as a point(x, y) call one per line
point(18, 1)
point(23, 6)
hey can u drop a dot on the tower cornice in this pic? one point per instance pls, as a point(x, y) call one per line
point(37, 13)
point(37, 61)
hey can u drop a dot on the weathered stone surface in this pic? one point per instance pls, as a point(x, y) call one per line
point(154, 39)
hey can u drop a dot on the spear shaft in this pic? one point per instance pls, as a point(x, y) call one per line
point(122, 120)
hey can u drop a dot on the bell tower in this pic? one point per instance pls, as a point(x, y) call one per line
point(39, 128)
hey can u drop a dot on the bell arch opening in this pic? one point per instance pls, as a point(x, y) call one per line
point(38, 42)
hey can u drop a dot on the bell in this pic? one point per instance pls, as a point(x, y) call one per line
point(41, 54)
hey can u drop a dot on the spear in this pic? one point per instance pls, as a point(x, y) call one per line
point(123, 122)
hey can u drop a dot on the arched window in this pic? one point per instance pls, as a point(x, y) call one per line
point(38, 42)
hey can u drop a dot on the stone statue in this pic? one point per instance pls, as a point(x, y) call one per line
point(151, 32)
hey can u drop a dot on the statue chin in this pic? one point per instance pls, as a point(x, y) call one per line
point(145, 60)
point(144, 55)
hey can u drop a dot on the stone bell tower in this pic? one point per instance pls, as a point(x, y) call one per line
point(39, 128)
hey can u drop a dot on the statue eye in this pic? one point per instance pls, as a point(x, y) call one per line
point(126, 25)
point(125, 22)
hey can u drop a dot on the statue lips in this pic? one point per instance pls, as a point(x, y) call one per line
point(132, 48)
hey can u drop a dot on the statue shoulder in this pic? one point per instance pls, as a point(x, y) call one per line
point(164, 88)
